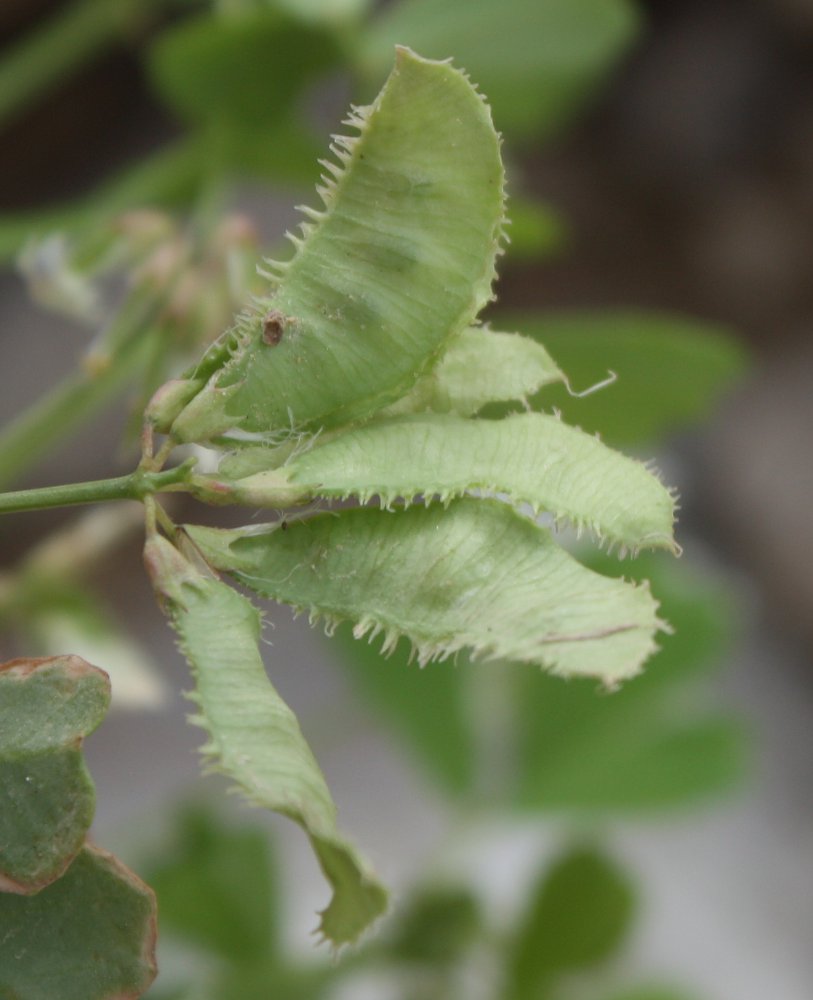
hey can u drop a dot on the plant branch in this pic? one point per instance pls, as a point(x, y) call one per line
point(168, 177)
point(64, 43)
point(36, 430)
point(136, 486)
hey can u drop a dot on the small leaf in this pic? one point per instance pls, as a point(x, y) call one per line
point(424, 707)
point(254, 738)
point(658, 742)
point(242, 70)
point(216, 888)
point(47, 707)
point(88, 936)
point(671, 370)
point(477, 575)
point(436, 926)
point(479, 367)
point(401, 259)
point(538, 60)
point(579, 914)
point(531, 458)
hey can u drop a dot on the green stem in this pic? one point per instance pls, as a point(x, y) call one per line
point(168, 177)
point(68, 40)
point(37, 429)
point(136, 486)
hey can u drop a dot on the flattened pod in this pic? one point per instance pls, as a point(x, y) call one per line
point(400, 260)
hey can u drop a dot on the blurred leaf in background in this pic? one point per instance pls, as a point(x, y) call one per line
point(218, 894)
point(578, 915)
point(237, 80)
point(567, 938)
point(426, 707)
point(436, 925)
point(536, 231)
point(538, 60)
point(237, 73)
point(660, 740)
point(671, 370)
point(657, 741)
point(217, 888)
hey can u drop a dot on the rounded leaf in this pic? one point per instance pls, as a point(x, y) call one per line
point(47, 799)
point(88, 936)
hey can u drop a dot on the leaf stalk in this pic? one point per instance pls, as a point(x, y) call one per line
point(136, 486)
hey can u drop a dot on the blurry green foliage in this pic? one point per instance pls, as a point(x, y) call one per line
point(571, 929)
point(333, 12)
point(536, 231)
point(425, 707)
point(237, 74)
point(657, 741)
point(238, 80)
point(537, 60)
point(671, 370)
point(47, 708)
point(578, 915)
point(217, 888)
point(437, 925)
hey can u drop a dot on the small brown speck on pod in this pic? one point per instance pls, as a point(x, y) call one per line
point(273, 327)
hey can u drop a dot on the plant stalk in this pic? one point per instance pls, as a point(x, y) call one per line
point(62, 45)
point(136, 486)
point(168, 177)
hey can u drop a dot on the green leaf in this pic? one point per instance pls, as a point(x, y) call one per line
point(88, 936)
point(536, 230)
point(477, 575)
point(264, 982)
point(658, 742)
point(331, 12)
point(481, 366)
point(216, 888)
point(243, 71)
point(671, 370)
point(536, 59)
point(531, 458)
point(47, 707)
point(400, 260)
point(254, 737)
point(436, 926)
point(579, 913)
point(425, 707)
point(284, 153)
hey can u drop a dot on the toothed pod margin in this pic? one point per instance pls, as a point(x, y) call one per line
point(401, 260)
